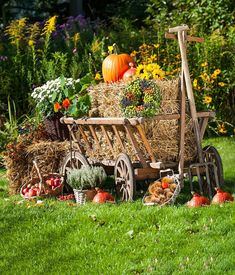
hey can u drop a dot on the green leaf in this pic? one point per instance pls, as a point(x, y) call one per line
point(54, 95)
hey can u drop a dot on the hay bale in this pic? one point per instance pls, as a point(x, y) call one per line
point(106, 97)
point(162, 135)
point(19, 160)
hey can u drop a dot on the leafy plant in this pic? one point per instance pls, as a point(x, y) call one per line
point(87, 177)
point(65, 95)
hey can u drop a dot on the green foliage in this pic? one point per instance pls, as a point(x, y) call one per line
point(65, 95)
point(32, 54)
point(86, 177)
point(204, 16)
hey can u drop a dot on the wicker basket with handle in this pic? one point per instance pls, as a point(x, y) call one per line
point(164, 190)
point(40, 183)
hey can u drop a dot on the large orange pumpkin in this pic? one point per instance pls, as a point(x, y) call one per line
point(114, 66)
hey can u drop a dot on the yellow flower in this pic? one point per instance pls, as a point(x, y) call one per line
point(50, 25)
point(214, 76)
point(156, 45)
point(217, 71)
point(221, 84)
point(140, 69)
point(195, 83)
point(110, 49)
point(207, 99)
point(152, 58)
point(222, 129)
point(76, 38)
point(205, 77)
point(15, 30)
point(96, 45)
point(31, 43)
point(204, 64)
point(97, 76)
point(134, 53)
point(33, 32)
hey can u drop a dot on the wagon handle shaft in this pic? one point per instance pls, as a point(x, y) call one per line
point(182, 40)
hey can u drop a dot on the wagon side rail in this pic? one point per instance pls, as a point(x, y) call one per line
point(128, 125)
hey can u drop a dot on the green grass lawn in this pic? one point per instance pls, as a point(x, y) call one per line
point(126, 238)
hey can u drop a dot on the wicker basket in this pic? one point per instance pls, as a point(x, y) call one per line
point(168, 201)
point(44, 190)
point(81, 196)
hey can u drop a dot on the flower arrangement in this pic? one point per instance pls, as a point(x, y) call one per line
point(65, 95)
point(141, 98)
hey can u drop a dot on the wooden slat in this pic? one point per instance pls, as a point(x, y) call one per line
point(84, 137)
point(118, 136)
point(163, 165)
point(76, 140)
point(146, 143)
point(107, 138)
point(146, 173)
point(123, 121)
point(203, 126)
point(189, 38)
point(101, 121)
point(179, 29)
point(135, 146)
point(94, 136)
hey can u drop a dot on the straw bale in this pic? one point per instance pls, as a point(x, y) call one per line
point(162, 135)
point(19, 160)
point(106, 97)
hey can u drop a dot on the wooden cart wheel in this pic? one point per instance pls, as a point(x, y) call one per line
point(124, 178)
point(212, 155)
point(72, 160)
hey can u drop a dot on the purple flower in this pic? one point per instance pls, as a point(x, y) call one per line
point(81, 20)
point(3, 58)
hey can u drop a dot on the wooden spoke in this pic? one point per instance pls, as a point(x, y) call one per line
point(124, 178)
point(215, 171)
point(73, 160)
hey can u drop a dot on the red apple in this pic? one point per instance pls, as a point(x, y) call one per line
point(32, 193)
point(25, 190)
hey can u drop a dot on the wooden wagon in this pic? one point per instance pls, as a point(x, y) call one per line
point(206, 166)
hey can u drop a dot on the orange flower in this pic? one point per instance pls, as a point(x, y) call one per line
point(66, 103)
point(57, 107)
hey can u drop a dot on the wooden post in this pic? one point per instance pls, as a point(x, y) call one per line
point(181, 30)
point(182, 128)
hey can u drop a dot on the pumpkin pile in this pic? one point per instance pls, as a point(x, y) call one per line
point(161, 191)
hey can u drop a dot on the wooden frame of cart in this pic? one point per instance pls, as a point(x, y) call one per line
point(207, 166)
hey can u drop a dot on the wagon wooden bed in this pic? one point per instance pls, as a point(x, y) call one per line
point(206, 166)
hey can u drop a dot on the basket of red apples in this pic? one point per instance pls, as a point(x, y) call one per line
point(50, 185)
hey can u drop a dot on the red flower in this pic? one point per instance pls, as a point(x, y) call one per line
point(57, 107)
point(66, 103)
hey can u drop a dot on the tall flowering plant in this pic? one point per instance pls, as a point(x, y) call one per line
point(63, 95)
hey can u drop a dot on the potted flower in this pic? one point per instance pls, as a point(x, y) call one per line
point(62, 97)
point(84, 180)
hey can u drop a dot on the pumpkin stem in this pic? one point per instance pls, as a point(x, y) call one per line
point(115, 48)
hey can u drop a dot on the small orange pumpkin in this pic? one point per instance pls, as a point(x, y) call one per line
point(114, 66)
